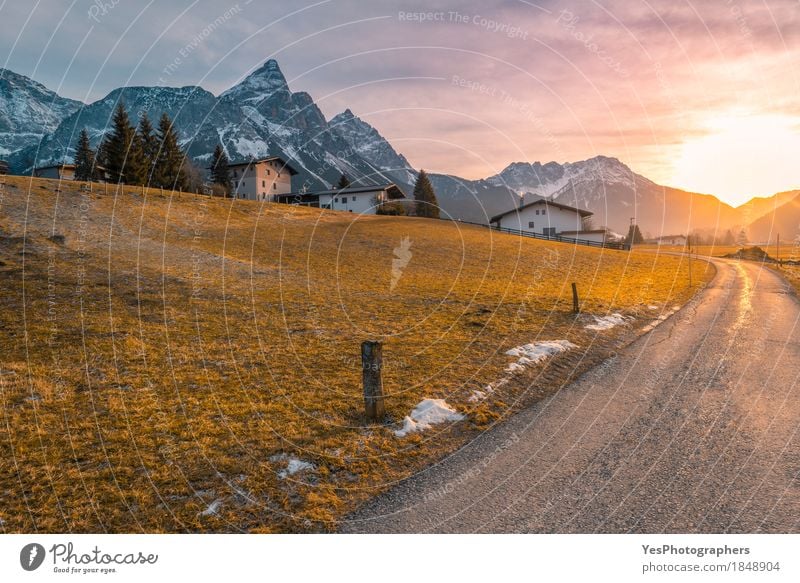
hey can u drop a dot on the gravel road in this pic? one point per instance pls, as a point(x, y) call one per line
point(695, 427)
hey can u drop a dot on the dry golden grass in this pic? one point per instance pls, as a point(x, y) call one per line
point(172, 347)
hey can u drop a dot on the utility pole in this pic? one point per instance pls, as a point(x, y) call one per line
point(778, 250)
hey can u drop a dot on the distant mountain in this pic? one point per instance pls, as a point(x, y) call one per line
point(28, 110)
point(783, 220)
point(259, 116)
point(372, 147)
point(615, 194)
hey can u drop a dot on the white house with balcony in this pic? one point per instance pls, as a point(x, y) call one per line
point(363, 200)
point(546, 217)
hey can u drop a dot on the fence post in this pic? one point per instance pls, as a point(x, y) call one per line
point(575, 305)
point(372, 365)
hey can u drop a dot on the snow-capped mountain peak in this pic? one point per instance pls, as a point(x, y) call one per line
point(28, 110)
point(552, 178)
point(262, 83)
point(370, 145)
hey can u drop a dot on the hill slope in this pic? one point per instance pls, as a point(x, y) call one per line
point(783, 220)
point(180, 356)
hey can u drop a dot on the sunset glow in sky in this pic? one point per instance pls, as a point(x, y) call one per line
point(698, 95)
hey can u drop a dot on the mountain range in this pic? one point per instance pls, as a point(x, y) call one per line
point(262, 116)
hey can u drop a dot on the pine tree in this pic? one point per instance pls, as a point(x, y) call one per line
point(343, 183)
point(168, 171)
point(220, 173)
point(150, 146)
point(729, 239)
point(84, 158)
point(425, 197)
point(741, 240)
point(122, 150)
point(634, 236)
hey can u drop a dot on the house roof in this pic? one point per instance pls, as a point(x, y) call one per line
point(391, 189)
point(252, 161)
point(546, 202)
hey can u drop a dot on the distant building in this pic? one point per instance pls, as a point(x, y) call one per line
point(355, 199)
point(56, 171)
point(261, 179)
point(669, 240)
point(546, 217)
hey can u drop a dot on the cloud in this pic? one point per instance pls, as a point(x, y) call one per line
point(555, 79)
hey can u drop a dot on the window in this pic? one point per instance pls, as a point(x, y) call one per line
point(263, 183)
point(344, 199)
point(537, 212)
point(336, 199)
point(354, 199)
point(542, 211)
point(274, 186)
point(530, 224)
point(267, 171)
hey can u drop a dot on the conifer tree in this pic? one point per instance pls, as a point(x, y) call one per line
point(168, 171)
point(425, 197)
point(122, 150)
point(84, 158)
point(343, 183)
point(220, 173)
point(150, 147)
point(634, 236)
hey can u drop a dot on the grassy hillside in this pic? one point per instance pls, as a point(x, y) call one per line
point(165, 356)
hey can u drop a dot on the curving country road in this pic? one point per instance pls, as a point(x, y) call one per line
point(695, 427)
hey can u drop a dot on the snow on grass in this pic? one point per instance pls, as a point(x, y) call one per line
point(527, 355)
point(478, 395)
point(663, 316)
point(606, 322)
point(293, 465)
point(212, 508)
point(427, 413)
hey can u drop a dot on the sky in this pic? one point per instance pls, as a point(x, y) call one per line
point(700, 95)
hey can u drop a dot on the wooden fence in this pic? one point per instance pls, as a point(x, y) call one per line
point(620, 246)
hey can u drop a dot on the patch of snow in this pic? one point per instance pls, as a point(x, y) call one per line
point(478, 395)
point(212, 508)
point(529, 354)
point(427, 413)
point(606, 322)
point(251, 148)
point(293, 465)
point(660, 319)
point(652, 307)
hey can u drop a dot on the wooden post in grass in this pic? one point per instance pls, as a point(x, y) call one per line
point(576, 308)
point(372, 365)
